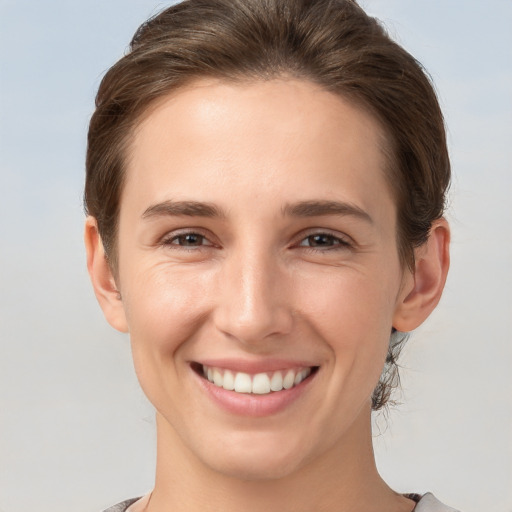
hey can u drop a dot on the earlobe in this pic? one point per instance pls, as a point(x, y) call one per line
point(102, 278)
point(423, 290)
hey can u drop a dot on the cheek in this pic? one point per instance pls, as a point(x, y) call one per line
point(349, 302)
point(164, 308)
point(352, 312)
point(165, 301)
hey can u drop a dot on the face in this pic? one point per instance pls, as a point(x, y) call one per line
point(258, 271)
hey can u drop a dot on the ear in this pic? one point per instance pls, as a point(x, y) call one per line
point(422, 290)
point(102, 278)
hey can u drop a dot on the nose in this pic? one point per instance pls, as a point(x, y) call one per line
point(253, 304)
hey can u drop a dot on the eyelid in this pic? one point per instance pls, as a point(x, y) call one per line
point(343, 239)
point(169, 237)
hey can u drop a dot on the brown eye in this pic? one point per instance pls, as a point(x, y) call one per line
point(188, 240)
point(322, 240)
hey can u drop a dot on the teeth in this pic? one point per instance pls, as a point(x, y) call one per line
point(259, 384)
point(276, 383)
point(217, 378)
point(229, 381)
point(301, 376)
point(289, 379)
point(243, 383)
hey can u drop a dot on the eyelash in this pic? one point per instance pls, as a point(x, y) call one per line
point(334, 243)
point(169, 240)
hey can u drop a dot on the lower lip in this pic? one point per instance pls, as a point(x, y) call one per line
point(250, 404)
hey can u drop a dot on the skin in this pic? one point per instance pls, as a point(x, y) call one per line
point(256, 285)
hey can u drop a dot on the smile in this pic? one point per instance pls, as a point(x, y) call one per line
point(254, 388)
point(259, 383)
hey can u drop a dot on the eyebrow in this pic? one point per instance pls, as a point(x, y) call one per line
point(183, 208)
point(313, 208)
point(323, 208)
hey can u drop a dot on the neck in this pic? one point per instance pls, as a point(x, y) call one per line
point(342, 479)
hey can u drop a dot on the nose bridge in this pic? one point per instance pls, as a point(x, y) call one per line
point(252, 304)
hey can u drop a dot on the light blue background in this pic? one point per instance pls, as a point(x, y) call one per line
point(75, 431)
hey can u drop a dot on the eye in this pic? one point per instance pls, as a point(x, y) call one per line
point(324, 242)
point(188, 239)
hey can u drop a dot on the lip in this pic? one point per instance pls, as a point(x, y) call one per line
point(255, 366)
point(248, 404)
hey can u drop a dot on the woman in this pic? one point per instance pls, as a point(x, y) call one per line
point(265, 190)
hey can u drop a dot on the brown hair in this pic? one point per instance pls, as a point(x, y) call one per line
point(333, 43)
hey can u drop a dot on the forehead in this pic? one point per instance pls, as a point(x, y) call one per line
point(276, 137)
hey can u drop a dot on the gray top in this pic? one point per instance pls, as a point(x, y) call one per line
point(121, 507)
point(427, 503)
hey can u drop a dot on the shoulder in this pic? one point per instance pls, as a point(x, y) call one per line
point(123, 506)
point(429, 503)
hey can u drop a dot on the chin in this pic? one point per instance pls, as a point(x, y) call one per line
point(256, 470)
point(256, 461)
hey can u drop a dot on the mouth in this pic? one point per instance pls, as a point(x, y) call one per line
point(263, 383)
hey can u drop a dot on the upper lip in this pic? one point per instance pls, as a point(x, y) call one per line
point(255, 366)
